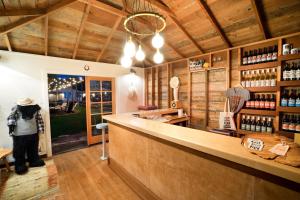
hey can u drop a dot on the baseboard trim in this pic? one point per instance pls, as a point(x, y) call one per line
point(139, 188)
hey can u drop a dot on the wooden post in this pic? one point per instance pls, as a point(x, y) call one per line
point(146, 86)
point(158, 86)
point(228, 70)
point(206, 99)
point(168, 84)
point(189, 94)
point(153, 85)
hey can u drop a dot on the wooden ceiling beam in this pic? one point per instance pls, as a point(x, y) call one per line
point(25, 21)
point(210, 16)
point(105, 7)
point(81, 28)
point(174, 19)
point(259, 19)
point(7, 42)
point(22, 12)
point(116, 25)
point(46, 34)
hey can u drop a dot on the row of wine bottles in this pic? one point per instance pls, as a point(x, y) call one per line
point(291, 123)
point(291, 72)
point(290, 98)
point(260, 55)
point(261, 101)
point(257, 124)
point(259, 78)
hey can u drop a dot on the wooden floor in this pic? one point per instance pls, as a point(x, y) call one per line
point(82, 175)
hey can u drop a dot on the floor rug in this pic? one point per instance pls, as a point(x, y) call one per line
point(38, 183)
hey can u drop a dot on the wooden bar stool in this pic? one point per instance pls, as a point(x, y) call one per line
point(103, 126)
point(3, 154)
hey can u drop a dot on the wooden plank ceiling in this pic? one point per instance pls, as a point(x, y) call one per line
point(93, 30)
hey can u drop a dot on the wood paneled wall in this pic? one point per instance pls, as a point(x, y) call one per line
point(201, 92)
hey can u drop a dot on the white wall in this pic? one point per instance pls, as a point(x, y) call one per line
point(25, 75)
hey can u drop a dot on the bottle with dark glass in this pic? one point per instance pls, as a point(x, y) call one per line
point(292, 99)
point(264, 55)
point(245, 58)
point(269, 125)
point(257, 101)
point(298, 99)
point(298, 124)
point(284, 98)
point(292, 72)
point(285, 123)
point(275, 53)
point(252, 101)
point(254, 57)
point(248, 124)
point(298, 72)
point(258, 125)
point(253, 124)
point(243, 122)
point(267, 102)
point(262, 102)
point(269, 55)
point(292, 124)
point(264, 125)
point(285, 72)
point(258, 57)
point(250, 58)
point(272, 102)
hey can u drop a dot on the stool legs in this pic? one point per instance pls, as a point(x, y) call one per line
point(103, 157)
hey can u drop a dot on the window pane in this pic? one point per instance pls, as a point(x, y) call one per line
point(96, 108)
point(96, 131)
point(95, 85)
point(96, 119)
point(95, 97)
point(106, 96)
point(107, 107)
point(106, 85)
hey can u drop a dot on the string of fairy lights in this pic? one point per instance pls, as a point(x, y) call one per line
point(58, 84)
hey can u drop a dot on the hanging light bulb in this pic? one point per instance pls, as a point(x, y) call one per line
point(129, 48)
point(158, 57)
point(126, 61)
point(140, 55)
point(157, 41)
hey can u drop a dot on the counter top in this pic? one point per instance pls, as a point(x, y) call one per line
point(225, 147)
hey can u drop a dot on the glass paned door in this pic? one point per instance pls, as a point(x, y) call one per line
point(100, 101)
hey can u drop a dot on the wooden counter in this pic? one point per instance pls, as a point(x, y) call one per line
point(174, 162)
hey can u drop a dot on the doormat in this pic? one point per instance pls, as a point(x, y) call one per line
point(37, 183)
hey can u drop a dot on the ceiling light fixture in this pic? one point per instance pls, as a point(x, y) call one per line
point(142, 13)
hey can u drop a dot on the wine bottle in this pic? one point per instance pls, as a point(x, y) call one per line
point(292, 99)
point(245, 58)
point(275, 53)
point(243, 123)
point(248, 124)
point(254, 57)
point(264, 125)
point(292, 72)
point(262, 102)
point(258, 125)
point(258, 57)
point(253, 77)
point(285, 72)
point(248, 79)
point(250, 58)
point(292, 124)
point(269, 125)
point(257, 79)
point(270, 53)
point(285, 123)
point(298, 124)
point(273, 77)
point(262, 78)
point(273, 102)
point(284, 99)
point(243, 81)
point(252, 102)
point(264, 55)
point(298, 72)
point(253, 124)
point(268, 78)
point(267, 102)
point(257, 101)
point(298, 99)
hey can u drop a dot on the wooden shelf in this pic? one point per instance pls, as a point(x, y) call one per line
point(289, 83)
point(258, 112)
point(286, 133)
point(259, 66)
point(243, 132)
point(289, 57)
point(262, 89)
point(288, 109)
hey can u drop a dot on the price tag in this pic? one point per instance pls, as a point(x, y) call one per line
point(255, 144)
point(280, 149)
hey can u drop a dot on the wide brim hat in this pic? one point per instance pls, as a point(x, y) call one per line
point(25, 102)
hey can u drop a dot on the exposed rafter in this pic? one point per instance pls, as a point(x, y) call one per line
point(105, 7)
point(174, 19)
point(82, 25)
point(7, 42)
point(210, 16)
point(46, 34)
point(259, 19)
point(24, 21)
point(116, 25)
point(22, 12)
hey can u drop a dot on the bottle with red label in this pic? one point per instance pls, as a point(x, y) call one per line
point(285, 123)
point(267, 102)
point(257, 101)
point(272, 102)
point(262, 102)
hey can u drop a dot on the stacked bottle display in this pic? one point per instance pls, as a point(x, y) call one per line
point(291, 71)
point(290, 98)
point(259, 78)
point(291, 123)
point(257, 124)
point(262, 102)
point(256, 56)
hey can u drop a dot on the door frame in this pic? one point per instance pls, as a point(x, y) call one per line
point(90, 138)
